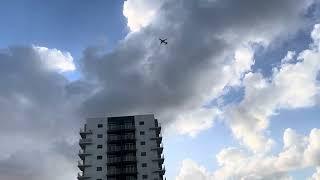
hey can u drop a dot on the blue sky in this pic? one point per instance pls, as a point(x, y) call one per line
point(66, 25)
point(233, 66)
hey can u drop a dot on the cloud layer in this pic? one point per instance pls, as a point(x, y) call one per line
point(211, 46)
point(298, 152)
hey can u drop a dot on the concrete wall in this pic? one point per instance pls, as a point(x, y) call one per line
point(151, 165)
point(92, 124)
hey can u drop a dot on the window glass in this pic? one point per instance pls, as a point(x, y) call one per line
point(99, 135)
point(142, 133)
point(99, 157)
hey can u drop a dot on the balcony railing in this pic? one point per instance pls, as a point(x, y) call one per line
point(81, 176)
point(82, 154)
point(83, 142)
point(128, 137)
point(157, 138)
point(114, 138)
point(159, 149)
point(114, 148)
point(161, 171)
point(160, 159)
point(123, 137)
point(114, 160)
point(112, 172)
point(82, 166)
point(129, 147)
point(129, 158)
point(84, 132)
point(131, 170)
point(157, 127)
point(121, 127)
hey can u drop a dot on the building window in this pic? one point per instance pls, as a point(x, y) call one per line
point(99, 168)
point(100, 125)
point(141, 123)
point(144, 165)
point(99, 146)
point(143, 153)
point(142, 143)
point(99, 179)
point(99, 135)
point(144, 176)
point(141, 132)
point(99, 157)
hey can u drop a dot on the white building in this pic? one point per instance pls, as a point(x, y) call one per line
point(121, 148)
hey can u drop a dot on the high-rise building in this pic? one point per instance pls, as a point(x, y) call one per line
point(121, 148)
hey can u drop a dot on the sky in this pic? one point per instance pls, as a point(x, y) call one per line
point(236, 88)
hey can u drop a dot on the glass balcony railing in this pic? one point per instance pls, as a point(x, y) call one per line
point(81, 176)
point(120, 127)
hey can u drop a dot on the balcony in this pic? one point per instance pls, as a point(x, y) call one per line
point(158, 149)
point(113, 172)
point(84, 142)
point(113, 160)
point(81, 176)
point(82, 166)
point(129, 170)
point(129, 147)
point(126, 137)
point(84, 132)
point(82, 154)
point(128, 159)
point(157, 129)
point(129, 137)
point(160, 160)
point(123, 127)
point(114, 149)
point(161, 171)
point(157, 138)
point(114, 138)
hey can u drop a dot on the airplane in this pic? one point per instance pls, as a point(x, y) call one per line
point(163, 41)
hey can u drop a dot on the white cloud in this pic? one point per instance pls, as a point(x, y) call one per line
point(315, 35)
point(55, 59)
point(291, 86)
point(139, 13)
point(191, 171)
point(289, 57)
point(193, 122)
point(236, 163)
point(316, 175)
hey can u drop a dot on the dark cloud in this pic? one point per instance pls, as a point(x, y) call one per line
point(36, 114)
point(141, 76)
point(40, 109)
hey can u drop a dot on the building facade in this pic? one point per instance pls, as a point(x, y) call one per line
point(121, 148)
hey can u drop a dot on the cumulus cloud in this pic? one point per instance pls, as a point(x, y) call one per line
point(55, 59)
point(37, 112)
point(198, 120)
point(292, 85)
point(139, 13)
point(298, 152)
point(207, 51)
point(316, 175)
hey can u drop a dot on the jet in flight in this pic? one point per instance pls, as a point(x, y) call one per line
point(163, 41)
